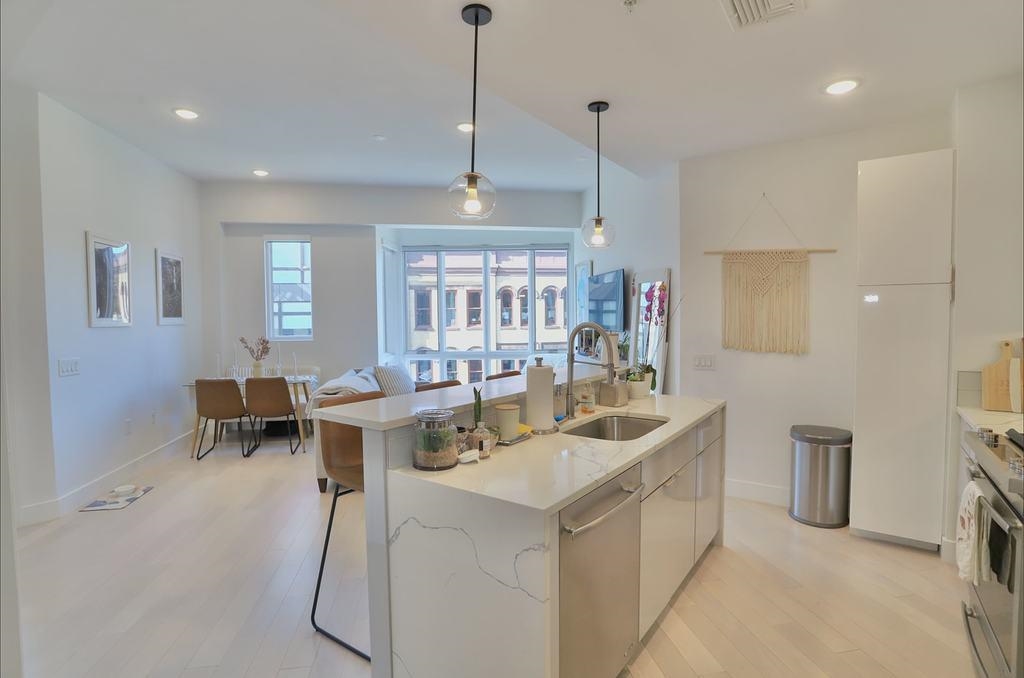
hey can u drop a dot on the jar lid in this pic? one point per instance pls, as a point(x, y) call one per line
point(435, 415)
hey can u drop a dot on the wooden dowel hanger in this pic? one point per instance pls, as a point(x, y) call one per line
point(809, 250)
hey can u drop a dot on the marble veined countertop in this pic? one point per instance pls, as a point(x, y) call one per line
point(999, 422)
point(549, 472)
point(385, 414)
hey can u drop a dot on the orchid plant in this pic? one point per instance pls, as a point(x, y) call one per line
point(654, 321)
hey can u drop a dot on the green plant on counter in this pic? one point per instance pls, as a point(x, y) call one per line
point(478, 406)
point(637, 374)
point(435, 440)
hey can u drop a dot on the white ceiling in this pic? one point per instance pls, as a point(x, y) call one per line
point(300, 87)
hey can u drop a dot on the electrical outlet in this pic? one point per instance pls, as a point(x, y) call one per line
point(67, 367)
point(704, 362)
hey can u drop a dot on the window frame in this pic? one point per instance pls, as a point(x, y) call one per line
point(479, 309)
point(430, 310)
point(486, 354)
point(553, 291)
point(268, 287)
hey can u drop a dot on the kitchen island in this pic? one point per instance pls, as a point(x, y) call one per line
point(464, 565)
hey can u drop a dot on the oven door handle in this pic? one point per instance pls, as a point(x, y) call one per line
point(999, 520)
point(969, 614)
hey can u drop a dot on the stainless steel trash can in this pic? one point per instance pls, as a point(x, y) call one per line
point(819, 492)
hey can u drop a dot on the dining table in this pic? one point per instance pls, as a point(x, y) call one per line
point(294, 381)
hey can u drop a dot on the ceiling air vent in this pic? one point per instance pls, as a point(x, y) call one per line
point(744, 13)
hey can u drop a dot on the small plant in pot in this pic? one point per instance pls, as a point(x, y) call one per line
point(641, 379)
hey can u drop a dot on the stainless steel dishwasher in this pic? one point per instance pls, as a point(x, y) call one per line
point(599, 579)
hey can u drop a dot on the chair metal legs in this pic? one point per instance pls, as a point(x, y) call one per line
point(217, 435)
point(257, 434)
point(338, 492)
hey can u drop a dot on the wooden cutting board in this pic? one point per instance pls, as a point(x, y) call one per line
point(997, 381)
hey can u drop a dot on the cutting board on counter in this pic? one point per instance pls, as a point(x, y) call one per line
point(1002, 382)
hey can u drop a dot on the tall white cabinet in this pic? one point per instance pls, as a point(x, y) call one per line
point(904, 281)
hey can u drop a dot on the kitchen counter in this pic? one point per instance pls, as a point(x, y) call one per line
point(999, 422)
point(546, 473)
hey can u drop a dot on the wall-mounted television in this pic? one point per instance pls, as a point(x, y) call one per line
point(606, 294)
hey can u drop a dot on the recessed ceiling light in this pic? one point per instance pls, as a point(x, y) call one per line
point(379, 137)
point(261, 172)
point(842, 87)
point(466, 127)
point(186, 113)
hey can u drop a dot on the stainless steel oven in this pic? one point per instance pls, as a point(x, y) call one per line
point(993, 616)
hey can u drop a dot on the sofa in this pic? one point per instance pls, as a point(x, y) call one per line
point(389, 379)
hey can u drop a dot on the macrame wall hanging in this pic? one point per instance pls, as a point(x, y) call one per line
point(766, 295)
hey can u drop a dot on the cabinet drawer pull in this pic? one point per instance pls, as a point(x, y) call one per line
point(577, 530)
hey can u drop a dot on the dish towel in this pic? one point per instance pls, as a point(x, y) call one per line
point(967, 534)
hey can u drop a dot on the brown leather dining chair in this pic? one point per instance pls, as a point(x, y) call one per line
point(269, 397)
point(506, 373)
point(219, 400)
point(342, 448)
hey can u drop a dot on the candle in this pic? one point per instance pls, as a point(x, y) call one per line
point(295, 364)
point(279, 358)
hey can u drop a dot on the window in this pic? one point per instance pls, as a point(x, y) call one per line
point(474, 307)
point(289, 290)
point(469, 310)
point(449, 308)
point(565, 309)
point(423, 310)
point(524, 307)
point(505, 307)
point(424, 371)
point(550, 300)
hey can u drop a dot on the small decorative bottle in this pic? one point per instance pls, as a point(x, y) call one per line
point(481, 438)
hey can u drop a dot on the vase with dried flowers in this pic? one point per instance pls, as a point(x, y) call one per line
point(258, 350)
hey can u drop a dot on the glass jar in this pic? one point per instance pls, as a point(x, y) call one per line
point(436, 447)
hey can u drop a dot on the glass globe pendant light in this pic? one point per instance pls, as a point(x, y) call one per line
point(471, 195)
point(597, 232)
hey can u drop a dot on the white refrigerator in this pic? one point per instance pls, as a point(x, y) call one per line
point(904, 293)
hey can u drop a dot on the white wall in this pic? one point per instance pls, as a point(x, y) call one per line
point(344, 297)
point(813, 183)
point(646, 212)
point(988, 240)
point(92, 180)
point(344, 213)
point(27, 390)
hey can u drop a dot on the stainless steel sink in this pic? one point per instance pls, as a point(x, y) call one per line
point(615, 427)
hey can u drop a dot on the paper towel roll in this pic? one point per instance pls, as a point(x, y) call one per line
point(540, 403)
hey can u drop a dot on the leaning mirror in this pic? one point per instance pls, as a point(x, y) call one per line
point(649, 327)
point(109, 278)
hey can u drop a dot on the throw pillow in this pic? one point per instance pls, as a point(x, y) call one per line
point(394, 380)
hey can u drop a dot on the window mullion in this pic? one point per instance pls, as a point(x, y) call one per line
point(442, 306)
point(487, 302)
point(531, 294)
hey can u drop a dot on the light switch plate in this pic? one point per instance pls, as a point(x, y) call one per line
point(704, 361)
point(67, 367)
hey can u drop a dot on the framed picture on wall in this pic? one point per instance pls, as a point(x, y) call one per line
point(108, 264)
point(170, 292)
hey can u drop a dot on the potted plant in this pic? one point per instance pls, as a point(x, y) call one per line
point(641, 380)
point(258, 350)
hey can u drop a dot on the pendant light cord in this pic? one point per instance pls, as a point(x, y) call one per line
point(599, 162)
point(472, 147)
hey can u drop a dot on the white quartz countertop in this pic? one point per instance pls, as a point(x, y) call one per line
point(384, 414)
point(999, 422)
point(549, 472)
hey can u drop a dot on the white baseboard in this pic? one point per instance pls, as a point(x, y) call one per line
point(947, 549)
point(748, 489)
point(66, 503)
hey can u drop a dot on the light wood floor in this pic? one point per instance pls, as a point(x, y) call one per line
point(212, 574)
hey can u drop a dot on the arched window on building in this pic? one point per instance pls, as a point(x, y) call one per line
point(550, 298)
point(505, 307)
point(524, 307)
point(565, 308)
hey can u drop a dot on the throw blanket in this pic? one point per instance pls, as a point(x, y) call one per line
point(970, 546)
point(765, 301)
point(350, 383)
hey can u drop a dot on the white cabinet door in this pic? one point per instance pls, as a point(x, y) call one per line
point(901, 415)
point(905, 219)
point(666, 542)
point(708, 495)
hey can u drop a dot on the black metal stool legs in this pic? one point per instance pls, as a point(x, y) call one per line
point(338, 492)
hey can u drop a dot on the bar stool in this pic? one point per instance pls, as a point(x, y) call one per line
point(503, 375)
point(342, 449)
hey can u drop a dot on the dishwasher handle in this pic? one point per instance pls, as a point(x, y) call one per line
point(578, 530)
